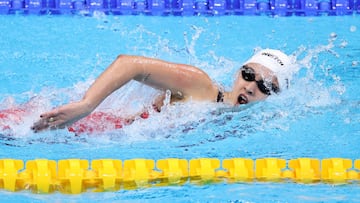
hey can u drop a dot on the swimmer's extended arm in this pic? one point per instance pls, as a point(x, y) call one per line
point(183, 80)
point(188, 81)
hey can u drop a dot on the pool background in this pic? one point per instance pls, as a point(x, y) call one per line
point(51, 60)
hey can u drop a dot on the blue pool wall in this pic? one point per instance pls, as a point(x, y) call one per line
point(184, 7)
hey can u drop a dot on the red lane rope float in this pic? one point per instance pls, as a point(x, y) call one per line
point(101, 122)
point(74, 176)
point(14, 115)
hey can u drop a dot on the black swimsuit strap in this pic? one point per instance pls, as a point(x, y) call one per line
point(220, 97)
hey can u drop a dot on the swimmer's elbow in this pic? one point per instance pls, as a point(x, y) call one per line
point(129, 67)
point(126, 63)
point(122, 57)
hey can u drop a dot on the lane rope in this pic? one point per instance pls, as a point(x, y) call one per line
point(74, 176)
point(183, 7)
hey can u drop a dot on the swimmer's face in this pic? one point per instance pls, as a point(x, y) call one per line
point(254, 82)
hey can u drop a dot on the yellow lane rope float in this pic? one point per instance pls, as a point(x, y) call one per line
point(73, 176)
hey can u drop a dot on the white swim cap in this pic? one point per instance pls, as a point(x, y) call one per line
point(276, 61)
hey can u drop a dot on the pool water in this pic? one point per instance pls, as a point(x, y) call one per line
point(51, 60)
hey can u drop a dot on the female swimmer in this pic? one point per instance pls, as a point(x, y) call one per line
point(263, 74)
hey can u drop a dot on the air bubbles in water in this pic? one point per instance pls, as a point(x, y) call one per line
point(99, 15)
point(343, 44)
point(352, 28)
point(333, 36)
point(355, 63)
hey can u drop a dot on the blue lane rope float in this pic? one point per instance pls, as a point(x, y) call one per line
point(74, 176)
point(184, 7)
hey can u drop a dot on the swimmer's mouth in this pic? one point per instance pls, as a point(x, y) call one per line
point(242, 99)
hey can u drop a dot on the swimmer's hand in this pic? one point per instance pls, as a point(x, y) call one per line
point(62, 116)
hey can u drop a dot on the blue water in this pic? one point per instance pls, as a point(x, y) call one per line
point(51, 60)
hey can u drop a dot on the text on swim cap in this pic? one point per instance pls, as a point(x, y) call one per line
point(274, 57)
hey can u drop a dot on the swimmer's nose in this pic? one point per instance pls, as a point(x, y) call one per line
point(250, 88)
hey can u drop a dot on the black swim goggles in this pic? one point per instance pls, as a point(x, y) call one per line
point(266, 87)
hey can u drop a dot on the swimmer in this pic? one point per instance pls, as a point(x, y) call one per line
point(265, 73)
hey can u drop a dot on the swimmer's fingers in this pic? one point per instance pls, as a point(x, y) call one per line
point(62, 116)
point(51, 114)
point(40, 125)
point(46, 120)
point(52, 123)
